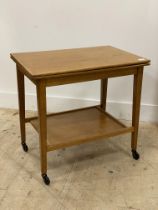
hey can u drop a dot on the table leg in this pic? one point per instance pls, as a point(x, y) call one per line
point(137, 86)
point(41, 100)
point(21, 98)
point(103, 95)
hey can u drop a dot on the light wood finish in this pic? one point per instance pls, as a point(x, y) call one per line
point(79, 126)
point(90, 75)
point(21, 99)
point(117, 121)
point(137, 87)
point(60, 67)
point(41, 99)
point(103, 94)
point(49, 63)
point(28, 119)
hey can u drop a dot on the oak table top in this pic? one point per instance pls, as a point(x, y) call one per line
point(48, 63)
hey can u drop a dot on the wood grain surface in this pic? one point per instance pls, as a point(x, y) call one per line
point(41, 64)
point(79, 126)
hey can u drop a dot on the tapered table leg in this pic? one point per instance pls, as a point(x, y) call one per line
point(41, 100)
point(103, 95)
point(21, 98)
point(137, 87)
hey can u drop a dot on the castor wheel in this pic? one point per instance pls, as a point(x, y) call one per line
point(135, 154)
point(46, 179)
point(24, 146)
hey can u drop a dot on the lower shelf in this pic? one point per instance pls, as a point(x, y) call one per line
point(79, 126)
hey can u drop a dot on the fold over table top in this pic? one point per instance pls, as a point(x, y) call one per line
point(48, 63)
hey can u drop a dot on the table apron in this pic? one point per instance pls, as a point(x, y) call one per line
point(88, 76)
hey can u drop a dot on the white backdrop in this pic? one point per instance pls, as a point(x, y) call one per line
point(54, 24)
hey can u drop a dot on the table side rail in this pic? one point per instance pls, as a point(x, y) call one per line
point(94, 138)
point(97, 74)
point(28, 119)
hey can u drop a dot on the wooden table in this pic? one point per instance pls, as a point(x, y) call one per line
point(51, 68)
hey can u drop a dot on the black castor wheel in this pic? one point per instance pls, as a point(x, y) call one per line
point(46, 179)
point(25, 147)
point(135, 154)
